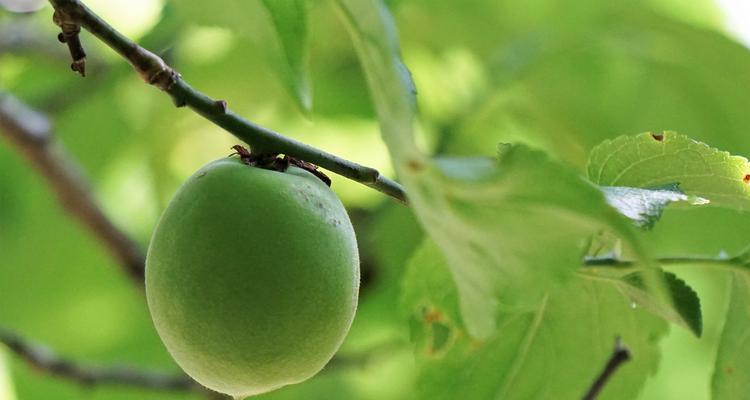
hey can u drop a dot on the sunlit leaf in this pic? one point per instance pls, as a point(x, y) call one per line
point(653, 159)
point(6, 386)
point(645, 206)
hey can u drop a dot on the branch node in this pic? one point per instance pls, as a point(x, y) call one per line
point(369, 175)
point(70, 36)
point(221, 105)
point(79, 66)
point(154, 71)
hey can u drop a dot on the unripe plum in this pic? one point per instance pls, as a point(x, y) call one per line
point(252, 276)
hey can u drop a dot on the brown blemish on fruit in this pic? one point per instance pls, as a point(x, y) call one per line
point(658, 136)
point(746, 179)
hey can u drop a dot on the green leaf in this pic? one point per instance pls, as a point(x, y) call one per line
point(731, 377)
point(510, 229)
point(644, 206)
point(684, 309)
point(653, 159)
point(373, 32)
point(278, 29)
point(290, 20)
point(554, 350)
point(639, 70)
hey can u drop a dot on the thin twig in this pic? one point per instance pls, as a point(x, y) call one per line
point(740, 261)
point(72, 14)
point(619, 356)
point(45, 360)
point(69, 35)
point(30, 132)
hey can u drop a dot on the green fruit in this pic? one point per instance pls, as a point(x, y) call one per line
point(252, 277)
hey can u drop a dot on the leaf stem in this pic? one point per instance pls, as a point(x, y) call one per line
point(153, 70)
point(619, 356)
point(740, 261)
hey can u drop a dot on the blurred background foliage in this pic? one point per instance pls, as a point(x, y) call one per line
point(561, 76)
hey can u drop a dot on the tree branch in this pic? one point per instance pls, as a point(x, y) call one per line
point(30, 132)
point(73, 14)
point(45, 360)
point(619, 356)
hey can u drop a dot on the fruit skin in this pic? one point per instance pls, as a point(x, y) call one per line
point(252, 277)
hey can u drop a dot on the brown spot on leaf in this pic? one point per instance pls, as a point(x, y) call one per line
point(729, 370)
point(432, 315)
point(440, 333)
point(658, 136)
point(415, 165)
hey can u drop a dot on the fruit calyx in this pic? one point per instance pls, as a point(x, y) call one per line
point(274, 162)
